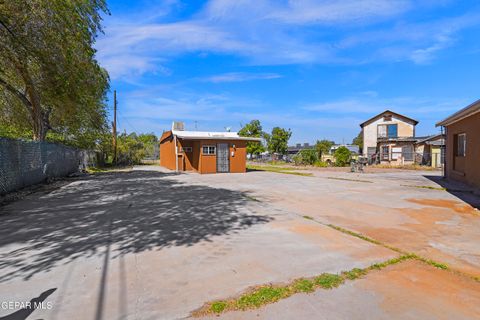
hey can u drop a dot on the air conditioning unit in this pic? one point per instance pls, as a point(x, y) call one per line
point(178, 126)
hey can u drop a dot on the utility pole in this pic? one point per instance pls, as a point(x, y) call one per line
point(114, 127)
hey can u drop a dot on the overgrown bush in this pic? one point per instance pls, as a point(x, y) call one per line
point(132, 148)
point(306, 157)
point(320, 164)
point(342, 156)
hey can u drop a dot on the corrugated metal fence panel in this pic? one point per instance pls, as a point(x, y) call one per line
point(23, 163)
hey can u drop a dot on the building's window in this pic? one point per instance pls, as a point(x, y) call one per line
point(407, 152)
point(392, 130)
point(396, 152)
point(387, 131)
point(382, 131)
point(461, 144)
point(385, 153)
point(187, 149)
point(208, 150)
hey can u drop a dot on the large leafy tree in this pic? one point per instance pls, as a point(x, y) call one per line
point(277, 141)
point(49, 78)
point(253, 129)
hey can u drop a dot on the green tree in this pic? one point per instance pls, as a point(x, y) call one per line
point(277, 141)
point(308, 156)
point(358, 140)
point(323, 147)
point(342, 156)
point(132, 148)
point(49, 78)
point(150, 142)
point(253, 129)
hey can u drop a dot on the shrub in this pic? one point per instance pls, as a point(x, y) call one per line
point(320, 164)
point(306, 157)
point(342, 156)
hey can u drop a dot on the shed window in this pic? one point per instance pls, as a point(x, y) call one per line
point(208, 150)
point(461, 144)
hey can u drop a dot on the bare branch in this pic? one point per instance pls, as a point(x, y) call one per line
point(17, 94)
point(7, 28)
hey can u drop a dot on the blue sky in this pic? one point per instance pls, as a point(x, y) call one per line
point(319, 67)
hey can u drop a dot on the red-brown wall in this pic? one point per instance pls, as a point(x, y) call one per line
point(167, 151)
point(465, 169)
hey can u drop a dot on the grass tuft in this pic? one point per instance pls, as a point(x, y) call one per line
point(261, 296)
point(345, 179)
point(218, 306)
point(328, 280)
point(285, 170)
point(425, 187)
point(252, 198)
point(304, 285)
point(355, 273)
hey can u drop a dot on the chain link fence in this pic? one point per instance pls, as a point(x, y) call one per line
point(435, 160)
point(24, 163)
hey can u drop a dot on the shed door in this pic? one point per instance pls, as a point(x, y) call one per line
point(223, 164)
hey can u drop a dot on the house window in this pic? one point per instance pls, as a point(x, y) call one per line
point(208, 150)
point(461, 144)
point(385, 153)
point(387, 131)
point(407, 152)
point(392, 130)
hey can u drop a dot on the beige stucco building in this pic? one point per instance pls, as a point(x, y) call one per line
point(390, 136)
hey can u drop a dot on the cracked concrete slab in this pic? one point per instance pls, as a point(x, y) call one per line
point(147, 245)
point(410, 290)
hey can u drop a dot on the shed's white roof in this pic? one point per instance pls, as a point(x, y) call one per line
point(211, 135)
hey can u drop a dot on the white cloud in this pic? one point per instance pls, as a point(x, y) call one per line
point(280, 32)
point(240, 77)
point(330, 12)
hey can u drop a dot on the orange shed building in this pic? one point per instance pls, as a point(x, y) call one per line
point(203, 152)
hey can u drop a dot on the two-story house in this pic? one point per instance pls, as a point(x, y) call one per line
point(389, 137)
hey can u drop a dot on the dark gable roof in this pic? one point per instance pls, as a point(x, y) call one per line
point(388, 112)
point(469, 110)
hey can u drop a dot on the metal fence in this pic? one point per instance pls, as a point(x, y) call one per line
point(420, 158)
point(24, 163)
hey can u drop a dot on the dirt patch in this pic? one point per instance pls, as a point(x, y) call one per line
point(457, 206)
point(433, 293)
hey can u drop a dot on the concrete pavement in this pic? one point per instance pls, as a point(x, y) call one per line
point(157, 245)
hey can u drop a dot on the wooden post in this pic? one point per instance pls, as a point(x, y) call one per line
point(114, 127)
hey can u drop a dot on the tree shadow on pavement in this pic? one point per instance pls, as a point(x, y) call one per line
point(131, 211)
point(458, 189)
